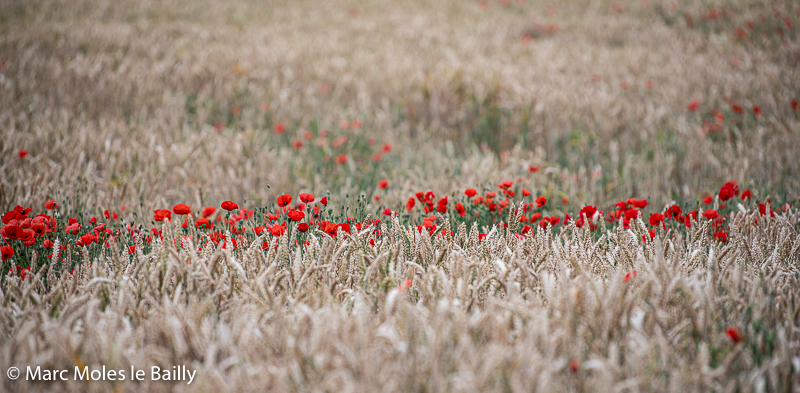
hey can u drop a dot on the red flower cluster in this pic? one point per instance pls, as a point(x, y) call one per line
point(18, 226)
point(627, 210)
point(427, 199)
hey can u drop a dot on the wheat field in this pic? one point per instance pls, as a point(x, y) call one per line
point(403, 195)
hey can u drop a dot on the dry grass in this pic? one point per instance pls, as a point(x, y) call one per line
point(103, 92)
point(117, 103)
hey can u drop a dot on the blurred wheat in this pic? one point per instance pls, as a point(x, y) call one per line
point(125, 94)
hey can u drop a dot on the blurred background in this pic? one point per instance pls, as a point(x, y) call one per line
point(151, 103)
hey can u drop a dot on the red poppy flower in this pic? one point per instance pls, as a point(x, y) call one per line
point(725, 194)
point(386, 148)
point(756, 110)
point(39, 228)
point(306, 197)
point(162, 214)
point(708, 200)
point(330, 228)
point(11, 215)
point(324, 201)
point(525, 192)
point(87, 239)
point(640, 203)
point(383, 184)
point(470, 192)
point(540, 201)
point(28, 237)
point(278, 230)
point(296, 145)
point(729, 190)
point(710, 214)
point(22, 153)
point(656, 219)
point(536, 216)
point(673, 212)
point(506, 184)
point(631, 214)
point(208, 211)
point(295, 215)
point(7, 252)
point(284, 200)
point(51, 205)
point(72, 229)
point(533, 168)
point(410, 204)
point(229, 205)
point(736, 108)
point(693, 105)
point(341, 158)
point(588, 211)
point(203, 223)
point(387, 212)
point(734, 334)
point(629, 276)
point(44, 219)
point(460, 209)
point(573, 366)
point(280, 128)
point(746, 194)
point(181, 209)
point(25, 223)
point(721, 236)
point(302, 227)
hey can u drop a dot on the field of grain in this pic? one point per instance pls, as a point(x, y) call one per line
point(402, 195)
